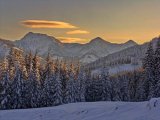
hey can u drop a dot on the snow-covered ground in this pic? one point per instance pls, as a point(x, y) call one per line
point(119, 69)
point(123, 68)
point(148, 110)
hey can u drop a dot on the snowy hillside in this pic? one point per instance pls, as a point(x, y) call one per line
point(102, 48)
point(5, 46)
point(118, 69)
point(135, 54)
point(148, 110)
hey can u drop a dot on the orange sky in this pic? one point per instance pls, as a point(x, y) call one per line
point(114, 20)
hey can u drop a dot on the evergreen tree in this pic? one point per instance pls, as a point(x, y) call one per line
point(28, 62)
point(18, 89)
point(58, 98)
point(157, 70)
point(122, 87)
point(116, 88)
point(46, 76)
point(5, 99)
point(71, 86)
point(81, 87)
point(35, 67)
point(133, 86)
point(89, 85)
point(64, 77)
point(49, 90)
point(106, 84)
point(34, 83)
point(149, 73)
point(33, 90)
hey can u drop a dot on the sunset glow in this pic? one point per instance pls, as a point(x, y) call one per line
point(114, 20)
point(78, 32)
point(71, 40)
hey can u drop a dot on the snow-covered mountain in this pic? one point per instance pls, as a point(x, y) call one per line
point(147, 110)
point(135, 54)
point(97, 51)
point(41, 43)
point(98, 48)
point(89, 52)
point(103, 48)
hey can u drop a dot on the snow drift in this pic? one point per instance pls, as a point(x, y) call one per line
point(148, 110)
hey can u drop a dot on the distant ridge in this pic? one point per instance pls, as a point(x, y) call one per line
point(89, 52)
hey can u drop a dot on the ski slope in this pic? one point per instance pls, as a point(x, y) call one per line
point(148, 110)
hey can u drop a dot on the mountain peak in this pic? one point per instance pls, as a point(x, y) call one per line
point(98, 40)
point(131, 42)
point(39, 37)
point(31, 34)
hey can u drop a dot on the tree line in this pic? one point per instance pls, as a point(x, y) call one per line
point(28, 81)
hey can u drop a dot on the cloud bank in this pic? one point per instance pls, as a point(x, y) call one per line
point(46, 24)
point(71, 40)
point(78, 32)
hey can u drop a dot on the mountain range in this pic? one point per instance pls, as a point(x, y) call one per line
point(96, 52)
point(86, 53)
point(135, 53)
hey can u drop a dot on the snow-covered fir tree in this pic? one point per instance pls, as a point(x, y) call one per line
point(71, 86)
point(34, 87)
point(64, 79)
point(5, 95)
point(106, 84)
point(157, 70)
point(58, 95)
point(18, 88)
point(81, 86)
point(149, 71)
point(33, 82)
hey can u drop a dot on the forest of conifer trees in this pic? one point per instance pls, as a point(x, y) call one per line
point(27, 81)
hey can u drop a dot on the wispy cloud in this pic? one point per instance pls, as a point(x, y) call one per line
point(46, 24)
point(78, 32)
point(71, 40)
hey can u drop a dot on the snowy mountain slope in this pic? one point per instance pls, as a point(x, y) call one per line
point(88, 57)
point(134, 53)
point(148, 110)
point(103, 48)
point(44, 43)
point(41, 43)
point(118, 69)
point(98, 47)
point(97, 51)
point(5, 46)
point(7, 42)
